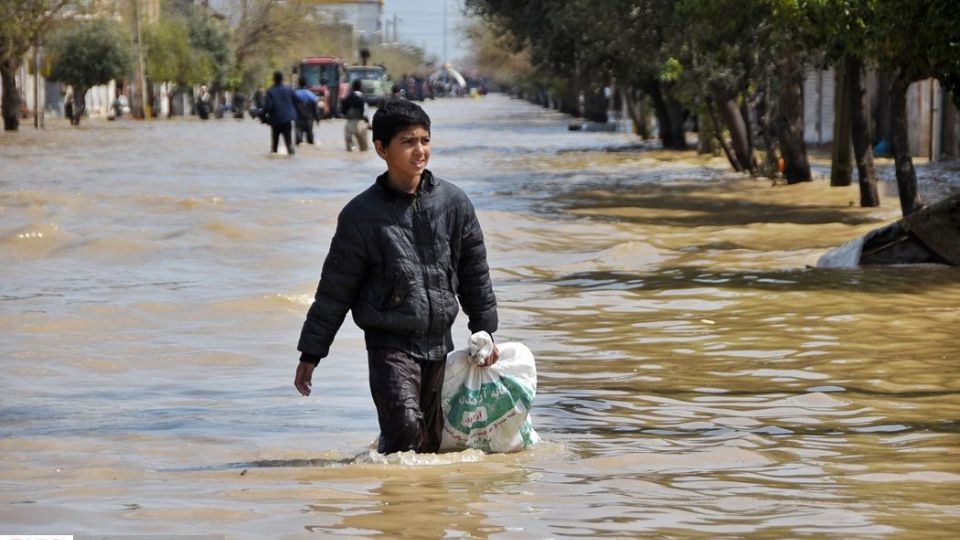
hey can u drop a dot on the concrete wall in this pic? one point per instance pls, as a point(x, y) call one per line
point(933, 121)
point(818, 104)
point(921, 120)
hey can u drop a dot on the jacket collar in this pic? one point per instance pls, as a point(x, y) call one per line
point(427, 183)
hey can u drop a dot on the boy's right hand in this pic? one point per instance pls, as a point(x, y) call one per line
point(304, 378)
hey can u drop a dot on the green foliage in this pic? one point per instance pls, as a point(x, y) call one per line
point(671, 71)
point(188, 46)
point(839, 27)
point(577, 38)
point(169, 56)
point(270, 34)
point(916, 38)
point(913, 39)
point(897, 38)
point(495, 57)
point(210, 41)
point(732, 44)
point(397, 59)
point(21, 21)
point(740, 53)
point(945, 50)
point(89, 53)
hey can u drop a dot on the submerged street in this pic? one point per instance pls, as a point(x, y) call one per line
point(696, 376)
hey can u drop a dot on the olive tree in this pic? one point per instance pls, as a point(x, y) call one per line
point(21, 23)
point(89, 53)
point(187, 46)
point(168, 54)
point(912, 40)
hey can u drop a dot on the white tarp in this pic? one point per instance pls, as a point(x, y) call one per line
point(844, 256)
point(450, 73)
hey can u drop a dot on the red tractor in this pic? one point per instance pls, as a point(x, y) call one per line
point(325, 76)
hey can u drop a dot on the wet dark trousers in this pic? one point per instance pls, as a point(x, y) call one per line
point(406, 392)
point(275, 132)
point(304, 129)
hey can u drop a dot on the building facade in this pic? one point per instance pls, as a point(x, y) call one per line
point(365, 16)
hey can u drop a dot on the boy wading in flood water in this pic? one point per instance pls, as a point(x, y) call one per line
point(404, 251)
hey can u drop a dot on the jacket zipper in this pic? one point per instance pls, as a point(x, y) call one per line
point(420, 248)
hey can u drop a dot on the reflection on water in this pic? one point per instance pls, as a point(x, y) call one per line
point(697, 377)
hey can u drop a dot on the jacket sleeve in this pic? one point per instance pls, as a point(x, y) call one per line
point(268, 103)
point(343, 271)
point(475, 290)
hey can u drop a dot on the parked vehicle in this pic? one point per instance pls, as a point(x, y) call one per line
point(326, 77)
point(374, 81)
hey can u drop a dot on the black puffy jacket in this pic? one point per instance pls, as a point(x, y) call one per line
point(400, 261)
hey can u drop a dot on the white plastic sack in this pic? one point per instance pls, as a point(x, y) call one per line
point(844, 256)
point(488, 408)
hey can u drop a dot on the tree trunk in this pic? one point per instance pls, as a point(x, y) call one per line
point(792, 146)
point(841, 164)
point(751, 144)
point(860, 132)
point(678, 136)
point(10, 107)
point(899, 141)
point(767, 110)
point(153, 107)
point(630, 103)
point(595, 106)
point(568, 102)
point(635, 108)
point(717, 132)
point(667, 110)
point(706, 129)
point(79, 104)
point(733, 119)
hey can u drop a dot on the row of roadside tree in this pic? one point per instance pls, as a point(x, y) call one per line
point(734, 64)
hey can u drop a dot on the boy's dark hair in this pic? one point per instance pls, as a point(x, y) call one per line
point(277, 77)
point(396, 115)
point(302, 82)
point(356, 85)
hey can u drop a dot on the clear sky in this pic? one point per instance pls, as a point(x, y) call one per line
point(420, 22)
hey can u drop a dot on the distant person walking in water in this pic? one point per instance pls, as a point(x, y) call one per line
point(356, 128)
point(405, 250)
point(307, 112)
point(204, 102)
point(259, 101)
point(280, 108)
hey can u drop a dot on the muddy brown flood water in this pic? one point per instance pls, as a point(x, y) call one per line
point(697, 379)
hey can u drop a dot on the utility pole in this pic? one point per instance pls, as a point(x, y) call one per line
point(144, 107)
point(36, 81)
point(444, 33)
point(395, 38)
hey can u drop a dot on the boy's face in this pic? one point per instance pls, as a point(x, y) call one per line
point(408, 152)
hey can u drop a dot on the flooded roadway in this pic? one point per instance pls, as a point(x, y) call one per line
point(697, 379)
